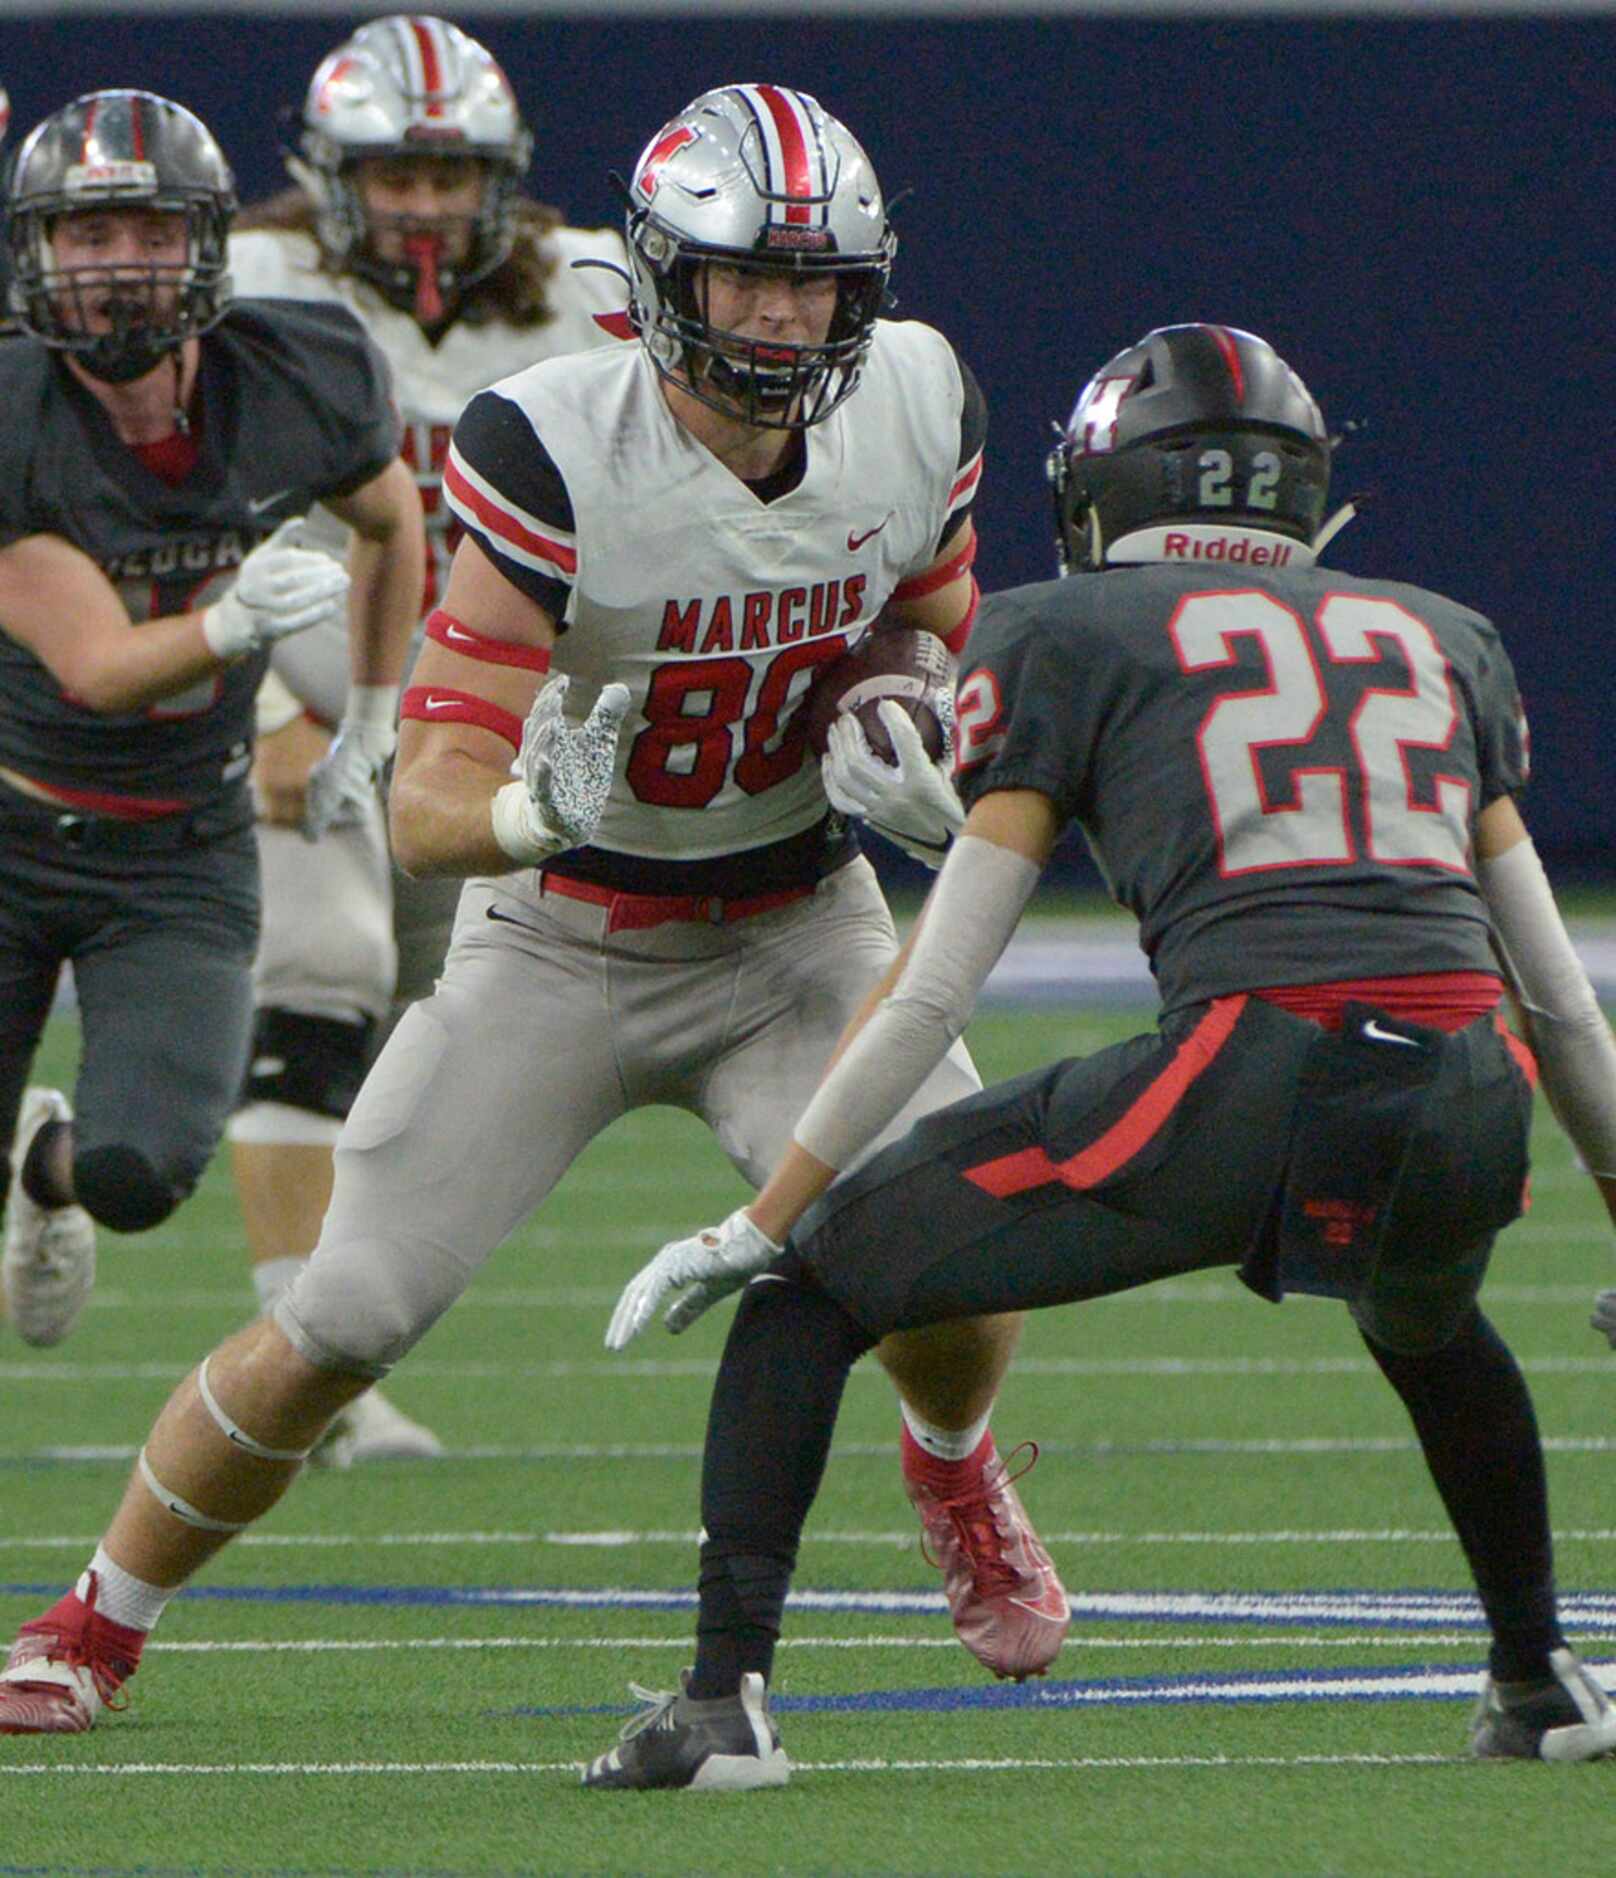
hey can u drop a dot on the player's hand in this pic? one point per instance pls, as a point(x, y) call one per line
point(706, 1266)
point(564, 775)
point(343, 784)
point(1604, 1317)
point(280, 589)
point(911, 801)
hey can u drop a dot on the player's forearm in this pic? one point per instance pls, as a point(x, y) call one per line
point(441, 815)
point(126, 670)
point(383, 604)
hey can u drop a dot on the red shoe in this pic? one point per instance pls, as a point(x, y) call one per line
point(61, 1671)
point(1008, 1603)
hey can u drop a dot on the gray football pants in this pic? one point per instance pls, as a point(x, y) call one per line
point(544, 1029)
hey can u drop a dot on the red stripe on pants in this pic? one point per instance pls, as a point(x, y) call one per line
point(1032, 1167)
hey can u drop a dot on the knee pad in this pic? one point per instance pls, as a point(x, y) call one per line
point(119, 1187)
point(303, 1062)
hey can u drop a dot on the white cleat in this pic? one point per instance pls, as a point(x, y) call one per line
point(1568, 1719)
point(47, 1269)
point(370, 1428)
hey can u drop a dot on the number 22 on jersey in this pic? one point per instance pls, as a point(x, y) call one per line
point(1314, 828)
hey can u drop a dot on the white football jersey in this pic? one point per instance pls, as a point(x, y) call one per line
point(714, 607)
point(433, 383)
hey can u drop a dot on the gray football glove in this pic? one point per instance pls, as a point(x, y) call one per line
point(1604, 1317)
point(708, 1265)
point(911, 802)
point(344, 782)
point(564, 775)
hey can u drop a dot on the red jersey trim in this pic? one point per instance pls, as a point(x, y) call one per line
point(436, 704)
point(458, 637)
point(502, 525)
point(1444, 1000)
point(934, 578)
point(1126, 1137)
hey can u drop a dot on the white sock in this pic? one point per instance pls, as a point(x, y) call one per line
point(945, 1444)
point(121, 1597)
point(272, 1277)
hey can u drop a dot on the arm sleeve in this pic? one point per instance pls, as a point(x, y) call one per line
point(972, 911)
point(507, 493)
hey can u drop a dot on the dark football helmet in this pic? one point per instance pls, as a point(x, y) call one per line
point(119, 150)
point(1193, 425)
point(411, 85)
point(756, 175)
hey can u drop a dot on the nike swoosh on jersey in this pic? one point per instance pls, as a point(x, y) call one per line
point(855, 542)
point(257, 504)
point(1375, 1034)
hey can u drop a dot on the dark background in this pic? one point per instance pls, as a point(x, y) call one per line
point(1417, 213)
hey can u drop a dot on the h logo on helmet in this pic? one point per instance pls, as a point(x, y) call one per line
point(1098, 414)
point(664, 147)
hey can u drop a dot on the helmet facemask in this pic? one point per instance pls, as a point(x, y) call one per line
point(768, 384)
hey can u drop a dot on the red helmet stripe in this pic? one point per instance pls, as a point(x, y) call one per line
point(137, 140)
point(784, 110)
point(426, 44)
point(1231, 357)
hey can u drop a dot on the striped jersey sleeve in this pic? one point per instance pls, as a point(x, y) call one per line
point(973, 436)
point(507, 493)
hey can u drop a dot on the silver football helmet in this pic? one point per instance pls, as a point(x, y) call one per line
point(119, 150)
point(756, 176)
point(411, 85)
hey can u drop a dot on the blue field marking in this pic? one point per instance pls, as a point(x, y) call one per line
point(1451, 1683)
point(1345, 1609)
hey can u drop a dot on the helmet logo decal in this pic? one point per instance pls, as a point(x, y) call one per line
point(1097, 414)
point(664, 147)
point(109, 174)
point(1224, 341)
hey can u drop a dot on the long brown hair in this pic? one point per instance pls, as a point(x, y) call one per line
point(516, 292)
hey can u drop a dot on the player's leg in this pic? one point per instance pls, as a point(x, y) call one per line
point(165, 1003)
point(47, 1268)
point(453, 1141)
point(801, 974)
point(321, 981)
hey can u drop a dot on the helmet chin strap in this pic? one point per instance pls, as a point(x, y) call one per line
point(424, 253)
point(1347, 512)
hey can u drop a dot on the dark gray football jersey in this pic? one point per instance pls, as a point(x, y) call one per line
point(293, 405)
point(1278, 771)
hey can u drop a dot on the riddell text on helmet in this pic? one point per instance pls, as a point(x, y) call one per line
point(1178, 547)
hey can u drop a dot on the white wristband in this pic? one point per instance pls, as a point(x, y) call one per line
point(372, 707)
point(518, 829)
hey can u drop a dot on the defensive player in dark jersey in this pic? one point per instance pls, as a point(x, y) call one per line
point(1302, 784)
point(160, 443)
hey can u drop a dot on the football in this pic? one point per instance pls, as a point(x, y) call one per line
point(889, 662)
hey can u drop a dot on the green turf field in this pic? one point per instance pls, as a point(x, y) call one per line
point(402, 1668)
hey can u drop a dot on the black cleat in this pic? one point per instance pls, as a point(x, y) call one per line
point(728, 1745)
point(1567, 1719)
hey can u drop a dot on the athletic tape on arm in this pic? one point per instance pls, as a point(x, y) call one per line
point(1571, 1039)
point(973, 909)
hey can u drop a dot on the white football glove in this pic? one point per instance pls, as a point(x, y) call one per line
point(279, 589)
point(564, 775)
point(343, 784)
point(911, 802)
point(710, 1264)
point(1604, 1317)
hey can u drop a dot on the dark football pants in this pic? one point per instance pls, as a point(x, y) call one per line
point(1167, 1154)
point(161, 945)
